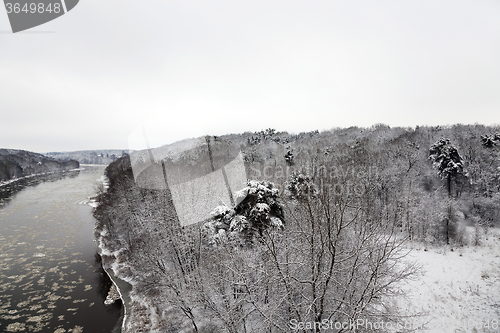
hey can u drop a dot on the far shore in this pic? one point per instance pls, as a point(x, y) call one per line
point(10, 181)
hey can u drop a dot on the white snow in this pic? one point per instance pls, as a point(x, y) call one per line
point(220, 210)
point(10, 181)
point(459, 290)
point(92, 200)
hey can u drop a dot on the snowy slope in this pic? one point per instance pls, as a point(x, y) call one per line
point(459, 291)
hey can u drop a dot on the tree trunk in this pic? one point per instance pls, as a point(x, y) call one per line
point(449, 185)
point(449, 210)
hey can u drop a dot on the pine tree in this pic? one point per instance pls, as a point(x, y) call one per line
point(259, 209)
point(490, 141)
point(448, 162)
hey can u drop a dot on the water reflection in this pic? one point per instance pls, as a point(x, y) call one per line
point(9, 191)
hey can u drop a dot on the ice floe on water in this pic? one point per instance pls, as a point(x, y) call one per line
point(34, 311)
point(42, 271)
point(79, 300)
point(76, 329)
point(16, 327)
point(40, 318)
point(90, 201)
point(35, 307)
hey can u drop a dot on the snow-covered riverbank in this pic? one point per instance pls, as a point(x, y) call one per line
point(120, 286)
point(114, 268)
point(123, 288)
point(7, 182)
point(92, 200)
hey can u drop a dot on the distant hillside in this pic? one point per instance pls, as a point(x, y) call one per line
point(20, 163)
point(103, 157)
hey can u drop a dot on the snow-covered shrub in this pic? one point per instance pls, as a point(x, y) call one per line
point(289, 157)
point(301, 187)
point(258, 210)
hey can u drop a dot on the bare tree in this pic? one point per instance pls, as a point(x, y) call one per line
point(329, 264)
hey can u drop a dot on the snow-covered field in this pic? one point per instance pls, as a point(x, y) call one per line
point(458, 291)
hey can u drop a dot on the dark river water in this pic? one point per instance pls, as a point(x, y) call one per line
point(50, 276)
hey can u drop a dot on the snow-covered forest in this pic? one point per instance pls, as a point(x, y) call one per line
point(102, 157)
point(333, 232)
point(15, 163)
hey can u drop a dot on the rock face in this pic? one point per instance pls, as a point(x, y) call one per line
point(20, 163)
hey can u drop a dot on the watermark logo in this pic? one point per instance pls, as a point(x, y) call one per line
point(200, 174)
point(26, 14)
point(354, 325)
point(338, 179)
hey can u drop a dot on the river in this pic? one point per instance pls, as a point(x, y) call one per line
point(51, 279)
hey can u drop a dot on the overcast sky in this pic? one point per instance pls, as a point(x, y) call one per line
point(88, 79)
